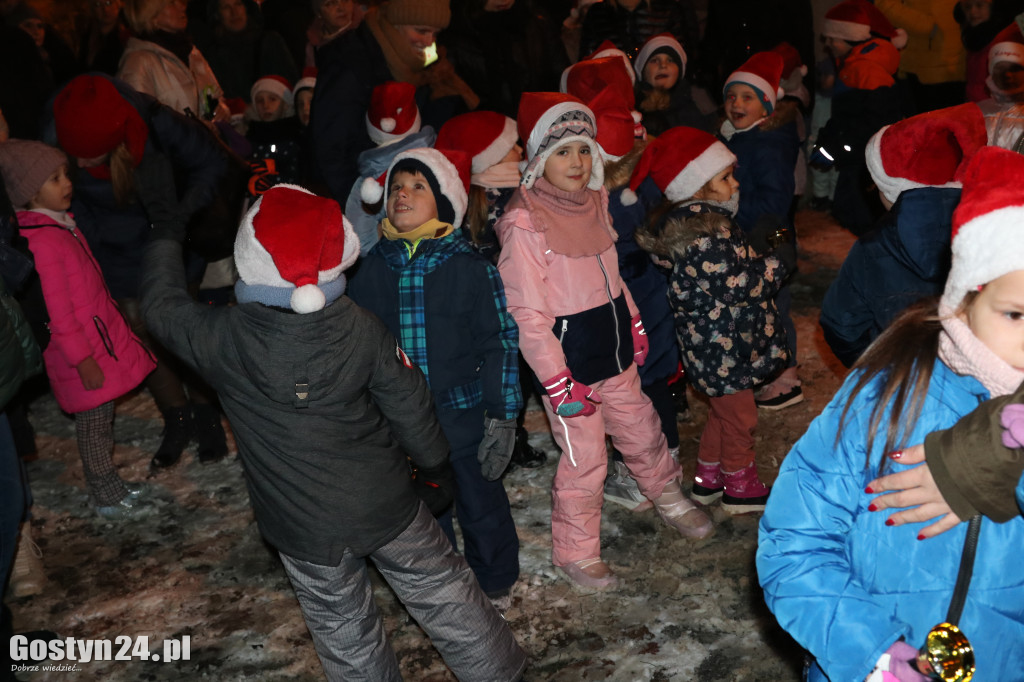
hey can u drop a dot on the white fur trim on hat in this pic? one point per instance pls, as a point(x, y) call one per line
point(699, 172)
point(755, 81)
point(1008, 51)
point(309, 82)
point(274, 85)
point(535, 164)
point(984, 249)
point(382, 137)
point(497, 149)
point(849, 31)
point(891, 186)
point(654, 44)
point(446, 174)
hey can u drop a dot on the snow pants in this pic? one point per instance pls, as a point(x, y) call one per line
point(438, 589)
point(728, 436)
point(628, 416)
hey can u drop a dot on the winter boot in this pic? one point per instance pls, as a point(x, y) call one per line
point(27, 575)
point(781, 393)
point(213, 444)
point(622, 489)
point(708, 484)
point(744, 492)
point(525, 455)
point(590, 575)
point(177, 434)
point(678, 511)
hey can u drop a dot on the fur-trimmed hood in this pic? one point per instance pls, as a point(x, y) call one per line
point(673, 233)
point(618, 173)
point(786, 111)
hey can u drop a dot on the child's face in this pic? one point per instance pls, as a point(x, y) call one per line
point(661, 72)
point(337, 14)
point(55, 194)
point(997, 317)
point(269, 106)
point(411, 202)
point(976, 11)
point(36, 29)
point(838, 47)
point(303, 103)
point(742, 106)
point(568, 168)
point(1008, 76)
point(719, 188)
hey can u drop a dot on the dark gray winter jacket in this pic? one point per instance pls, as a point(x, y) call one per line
point(323, 409)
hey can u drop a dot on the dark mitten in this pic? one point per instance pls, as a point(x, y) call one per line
point(154, 182)
point(786, 253)
point(496, 448)
point(435, 486)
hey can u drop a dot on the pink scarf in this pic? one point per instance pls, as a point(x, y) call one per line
point(574, 224)
point(967, 355)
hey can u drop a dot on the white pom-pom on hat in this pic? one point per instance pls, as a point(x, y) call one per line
point(308, 299)
point(371, 191)
point(387, 124)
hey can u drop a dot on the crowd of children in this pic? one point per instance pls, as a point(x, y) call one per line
point(614, 238)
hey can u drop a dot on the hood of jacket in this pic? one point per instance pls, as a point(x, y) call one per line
point(678, 230)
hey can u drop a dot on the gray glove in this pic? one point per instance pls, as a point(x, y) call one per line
point(496, 448)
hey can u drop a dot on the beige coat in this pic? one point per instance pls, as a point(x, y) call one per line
point(151, 69)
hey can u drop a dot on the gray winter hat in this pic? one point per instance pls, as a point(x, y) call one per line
point(26, 165)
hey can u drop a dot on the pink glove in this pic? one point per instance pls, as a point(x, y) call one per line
point(641, 346)
point(570, 398)
point(1012, 420)
point(897, 665)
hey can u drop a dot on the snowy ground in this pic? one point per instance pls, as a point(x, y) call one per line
point(197, 566)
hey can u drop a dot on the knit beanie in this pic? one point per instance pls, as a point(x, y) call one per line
point(447, 172)
point(292, 248)
point(763, 73)
point(26, 165)
point(486, 136)
point(681, 161)
point(663, 43)
point(549, 120)
point(433, 13)
point(276, 85)
point(92, 118)
point(987, 223)
point(928, 150)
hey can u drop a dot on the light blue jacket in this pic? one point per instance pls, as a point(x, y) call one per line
point(846, 586)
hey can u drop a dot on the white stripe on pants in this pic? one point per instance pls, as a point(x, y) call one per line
point(437, 587)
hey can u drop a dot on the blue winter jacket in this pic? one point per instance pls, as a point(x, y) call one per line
point(902, 261)
point(846, 586)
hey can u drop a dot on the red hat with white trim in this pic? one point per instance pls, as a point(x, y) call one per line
point(659, 43)
point(292, 248)
point(486, 136)
point(276, 85)
point(763, 73)
point(447, 172)
point(588, 78)
point(928, 150)
point(1007, 46)
point(987, 241)
point(393, 113)
point(793, 67)
point(605, 49)
point(308, 80)
point(549, 120)
point(858, 20)
point(681, 161)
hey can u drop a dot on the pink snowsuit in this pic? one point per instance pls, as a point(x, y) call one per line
point(540, 286)
point(84, 321)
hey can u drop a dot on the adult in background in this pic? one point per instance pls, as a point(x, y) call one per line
point(394, 42)
point(240, 48)
point(503, 48)
point(332, 18)
point(102, 36)
point(980, 21)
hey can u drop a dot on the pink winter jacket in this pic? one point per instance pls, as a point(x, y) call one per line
point(84, 320)
point(541, 285)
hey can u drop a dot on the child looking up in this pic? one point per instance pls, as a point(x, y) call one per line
point(446, 306)
point(722, 292)
point(582, 336)
point(662, 93)
point(845, 586)
point(92, 357)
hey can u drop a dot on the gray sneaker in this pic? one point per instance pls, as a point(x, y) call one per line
point(621, 489)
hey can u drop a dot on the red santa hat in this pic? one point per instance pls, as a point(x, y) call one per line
point(447, 172)
point(486, 136)
point(1007, 46)
point(858, 20)
point(681, 161)
point(659, 43)
point(793, 67)
point(393, 113)
point(292, 248)
point(275, 85)
point(605, 49)
point(308, 80)
point(548, 120)
point(588, 78)
point(928, 150)
point(987, 240)
point(762, 72)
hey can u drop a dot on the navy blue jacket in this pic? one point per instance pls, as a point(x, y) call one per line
point(905, 259)
point(766, 160)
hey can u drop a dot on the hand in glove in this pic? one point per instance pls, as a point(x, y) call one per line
point(641, 345)
point(435, 486)
point(571, 398)
point(496, 448)
point(897, 664)
point(154, 183)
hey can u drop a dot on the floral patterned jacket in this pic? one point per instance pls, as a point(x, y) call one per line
point(721, 291)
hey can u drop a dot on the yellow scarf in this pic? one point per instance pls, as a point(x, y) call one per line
point(432, 229)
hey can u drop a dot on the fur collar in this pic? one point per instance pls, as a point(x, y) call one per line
point(618, 173)
point(675, 231)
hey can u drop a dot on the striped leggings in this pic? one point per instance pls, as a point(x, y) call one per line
point(94, 430)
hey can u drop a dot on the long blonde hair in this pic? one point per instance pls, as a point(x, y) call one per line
point(122, 174)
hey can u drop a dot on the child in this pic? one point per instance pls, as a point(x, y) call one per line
point(850, 590)
point(1004, 111)
point(274, 131)
point(393, 123)
point(446, 306)
point(722, 292)
point(327, 411)
point(765, 141)
point(581, 334)
point(92, 357)
point(303, 95)
point(917, 165)
point(663, 94)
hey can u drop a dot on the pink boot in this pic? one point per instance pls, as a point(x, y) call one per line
point(590, 575)
point(679, 512)
point(708, 484)
point(744, 492)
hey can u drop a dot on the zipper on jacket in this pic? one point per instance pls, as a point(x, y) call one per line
point(101, 329)
point(565, 328)
point(615, 314)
